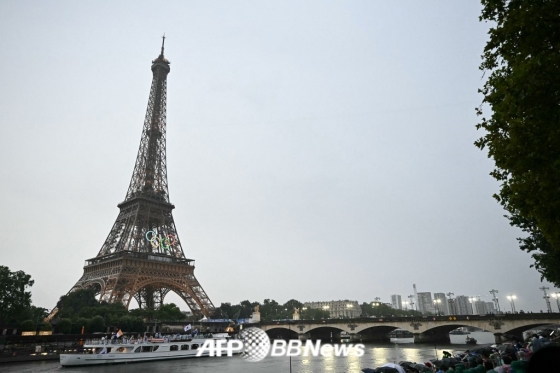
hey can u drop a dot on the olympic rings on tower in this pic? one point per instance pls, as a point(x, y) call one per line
point(163, 243)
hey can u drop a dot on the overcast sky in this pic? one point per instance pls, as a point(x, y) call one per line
point(316, 150)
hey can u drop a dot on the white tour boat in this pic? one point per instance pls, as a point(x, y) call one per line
point(105, 352)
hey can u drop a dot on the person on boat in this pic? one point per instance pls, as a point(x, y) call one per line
point(536, 343)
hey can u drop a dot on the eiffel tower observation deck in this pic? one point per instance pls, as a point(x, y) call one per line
point(142, 257)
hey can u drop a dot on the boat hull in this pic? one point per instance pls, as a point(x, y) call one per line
point(100, 359)
point(103, 352)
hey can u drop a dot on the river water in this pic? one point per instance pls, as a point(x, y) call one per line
point(375, 355)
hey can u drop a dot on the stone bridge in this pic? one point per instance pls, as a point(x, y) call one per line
point(425, 329)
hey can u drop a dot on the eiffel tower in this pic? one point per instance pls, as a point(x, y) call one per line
point(142, 257)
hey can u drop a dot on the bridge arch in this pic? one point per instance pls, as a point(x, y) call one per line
point(368, 328)
point(445, 329)
point(519, 330)
point(282, 332)
point(375, 333)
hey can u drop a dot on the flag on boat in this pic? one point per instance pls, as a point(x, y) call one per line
point(119, 333)
point(188, 327)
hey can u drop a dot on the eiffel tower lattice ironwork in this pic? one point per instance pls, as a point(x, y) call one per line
point(142, 257)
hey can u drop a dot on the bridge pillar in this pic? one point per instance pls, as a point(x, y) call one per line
point(355, 338)
point(499, 338)
point(303, 336)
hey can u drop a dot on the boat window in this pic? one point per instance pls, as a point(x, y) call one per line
point(146, 348)
point(109, 349)
point(155, 348)
point(173, 348)
point(184, 347)
point(121, 349)
point(194, 347)
point(137, 349)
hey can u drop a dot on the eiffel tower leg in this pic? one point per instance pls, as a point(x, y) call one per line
point(145, 297)
point(195, 297)
point(151, 297)
point(161, 293)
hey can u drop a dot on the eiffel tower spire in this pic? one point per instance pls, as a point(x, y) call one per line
point(142, 257)
point(149, 179)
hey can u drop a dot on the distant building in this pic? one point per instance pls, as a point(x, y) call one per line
point(490, 307)
point(396, 302)
point(480, 307)
point(338, 309)
point(425, 304)
point(441, 306)
point(463, 305)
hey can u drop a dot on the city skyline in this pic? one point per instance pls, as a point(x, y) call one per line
point(324, 150)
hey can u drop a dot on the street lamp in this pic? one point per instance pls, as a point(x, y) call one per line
point(557, 297)
point(511, 298)
point(349, 309)
point(495, 298)
point(325, 308)
point(546, 298)
point(472, 300)
point(451, 306)
point(436, 303)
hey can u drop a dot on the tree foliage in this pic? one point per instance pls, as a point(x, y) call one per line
point(169, 311)
point(45, 326)
point(64, 326)
point(73, 303)
point(28, 326)
point(15, 299)
point(97, 324)
point(523, 132)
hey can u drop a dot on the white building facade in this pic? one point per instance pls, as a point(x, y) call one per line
point(338, 309)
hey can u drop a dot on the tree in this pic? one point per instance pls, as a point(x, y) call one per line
point(74, 302)
point(64, 326)
point(97, 324)
point(79, 324)
point(126, 324)
point(28, 326)
point(291, 305)
point(315, 314)
point(523, 134)
point(35, 313)
point(138, 324)
point(14, 297)
point(169, 312)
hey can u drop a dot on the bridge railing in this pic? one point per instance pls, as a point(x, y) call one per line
point(449, 318)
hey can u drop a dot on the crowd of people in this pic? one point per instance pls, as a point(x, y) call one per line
point(147, 337)
point(514, 357)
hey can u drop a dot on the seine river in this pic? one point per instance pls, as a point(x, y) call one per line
point(375, 355)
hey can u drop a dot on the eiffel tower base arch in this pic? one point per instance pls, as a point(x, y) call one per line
point(148, 278)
